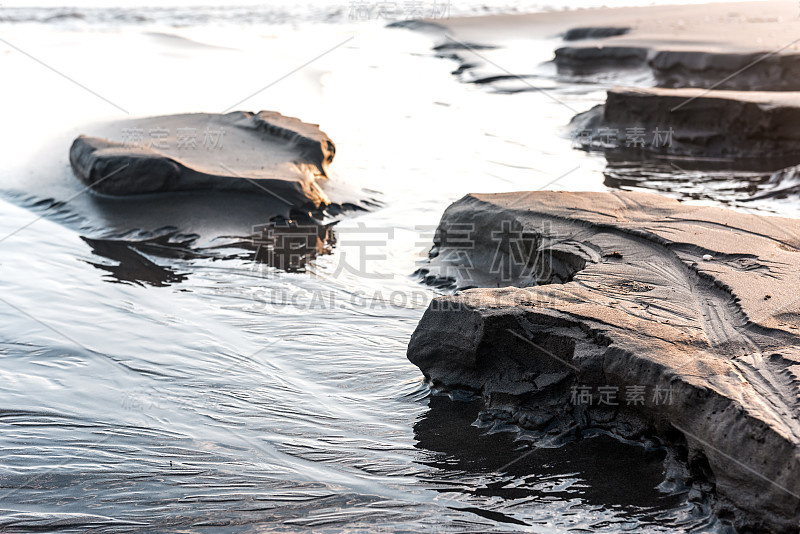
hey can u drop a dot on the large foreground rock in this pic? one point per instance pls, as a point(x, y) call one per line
point(689, 315)
point(264, 153)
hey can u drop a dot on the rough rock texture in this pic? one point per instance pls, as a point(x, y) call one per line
point(264, 153)
point(727, 124)
point(739, 46)
point(628, 301)
point(741, 71)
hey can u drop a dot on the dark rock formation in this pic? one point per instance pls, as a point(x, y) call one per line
point(264, 153)
point(751, 71)
point(584, 60)
point(696, 123)
point(650, 318)
point(594, 32)
point(681, 67)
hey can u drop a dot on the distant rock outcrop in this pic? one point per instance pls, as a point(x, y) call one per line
point(694, 122)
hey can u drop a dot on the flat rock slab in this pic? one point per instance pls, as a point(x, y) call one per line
point(738, 46)
point(262, 153)
point(694, 122)
point(636, 293)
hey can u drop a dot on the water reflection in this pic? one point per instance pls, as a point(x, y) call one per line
point(130, 262)
point(510, 480)
point(284, 243)
point(289, 244)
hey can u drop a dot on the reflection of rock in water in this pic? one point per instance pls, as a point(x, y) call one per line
point(478, 463)
point(289, 244)
point(133, 266)
point(722, 181)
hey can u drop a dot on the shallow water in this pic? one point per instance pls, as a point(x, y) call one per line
point(169, 385)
